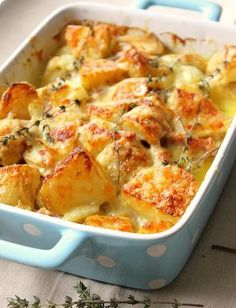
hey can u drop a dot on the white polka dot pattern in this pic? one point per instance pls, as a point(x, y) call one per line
point(32, 230)
point(157, 283)
point(106, 261)
point(156, 250)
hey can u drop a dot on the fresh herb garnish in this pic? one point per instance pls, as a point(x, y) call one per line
point(87, 299)
point(224, 248)
point(78, 62)
point(25, 131)
point(154, 62)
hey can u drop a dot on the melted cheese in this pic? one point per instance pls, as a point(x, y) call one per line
point(78, 181)
point(19, 185)
point(122, 130)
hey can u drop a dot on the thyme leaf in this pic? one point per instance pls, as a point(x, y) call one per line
point(196, 163)
point(204, 84)
point(224, 248)
point(25, 131)
point(165, 163)
point(59, 82)
point(86, 299)
point(78, 62)
point(154, 62)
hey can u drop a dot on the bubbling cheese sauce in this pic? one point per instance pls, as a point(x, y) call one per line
point(121, 133)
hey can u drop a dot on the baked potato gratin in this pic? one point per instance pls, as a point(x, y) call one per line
point(121, 132)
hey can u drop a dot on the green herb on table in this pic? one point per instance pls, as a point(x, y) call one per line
point(224, 248)
point(86, 299)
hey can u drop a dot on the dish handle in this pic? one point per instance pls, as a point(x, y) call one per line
point(45, 258)
point(210, 10)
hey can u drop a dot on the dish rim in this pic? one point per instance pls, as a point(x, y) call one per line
point(210, 175)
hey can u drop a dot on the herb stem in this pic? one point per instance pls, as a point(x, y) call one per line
point(97, 303)
point(26, 130)
point(134, 302)
point(223, 248)
point(86, 299)
point(204, 156)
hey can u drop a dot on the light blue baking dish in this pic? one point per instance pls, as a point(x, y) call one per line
point(133, 260)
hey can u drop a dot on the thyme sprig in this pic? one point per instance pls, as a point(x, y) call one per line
point(58, 83)
point(78, 63)
point(224, 248)
point(183, 159)
point(155, 62)
point(152, 82)
point(204, 84)
point(196, 163)
point(87, 299)
point(25, 131)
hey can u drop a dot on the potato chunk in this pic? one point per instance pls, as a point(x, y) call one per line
point(52, 145)
point(16, 99)
point(138, 64)
point(130, 89)
point(95, 135)
point(221, 78)
point(12, 152)
point(160, 193)
point(110, 222)
point(149, 122)
point(76, 36)
point(97, 73)
point(222, 66)
point(41, 156)
point(197, 114)
point(144, 41)
point(187, 76)
point(92, 42)
point(122, 158)
point(76, 187)
point(19, 185)
point(192, 59)
point(62, 93)
point(59, 67)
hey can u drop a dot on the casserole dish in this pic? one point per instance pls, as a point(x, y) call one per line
point(94, 253)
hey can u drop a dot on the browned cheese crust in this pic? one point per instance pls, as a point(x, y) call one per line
point(121, 132)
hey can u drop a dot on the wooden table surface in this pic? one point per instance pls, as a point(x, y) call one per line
point(209, 277)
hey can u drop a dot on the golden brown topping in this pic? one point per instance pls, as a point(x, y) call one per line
point(197, 113)
point(11, 150)
point(122, 130)
point(97, 73)
point(154, 227)
point(123, 157)
point(149, 123)
point(19, 185)
point(166, 188)
point(91, 42)
point(110, 222)
point(144, 41)
point(16, 99)
point(75, 182)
